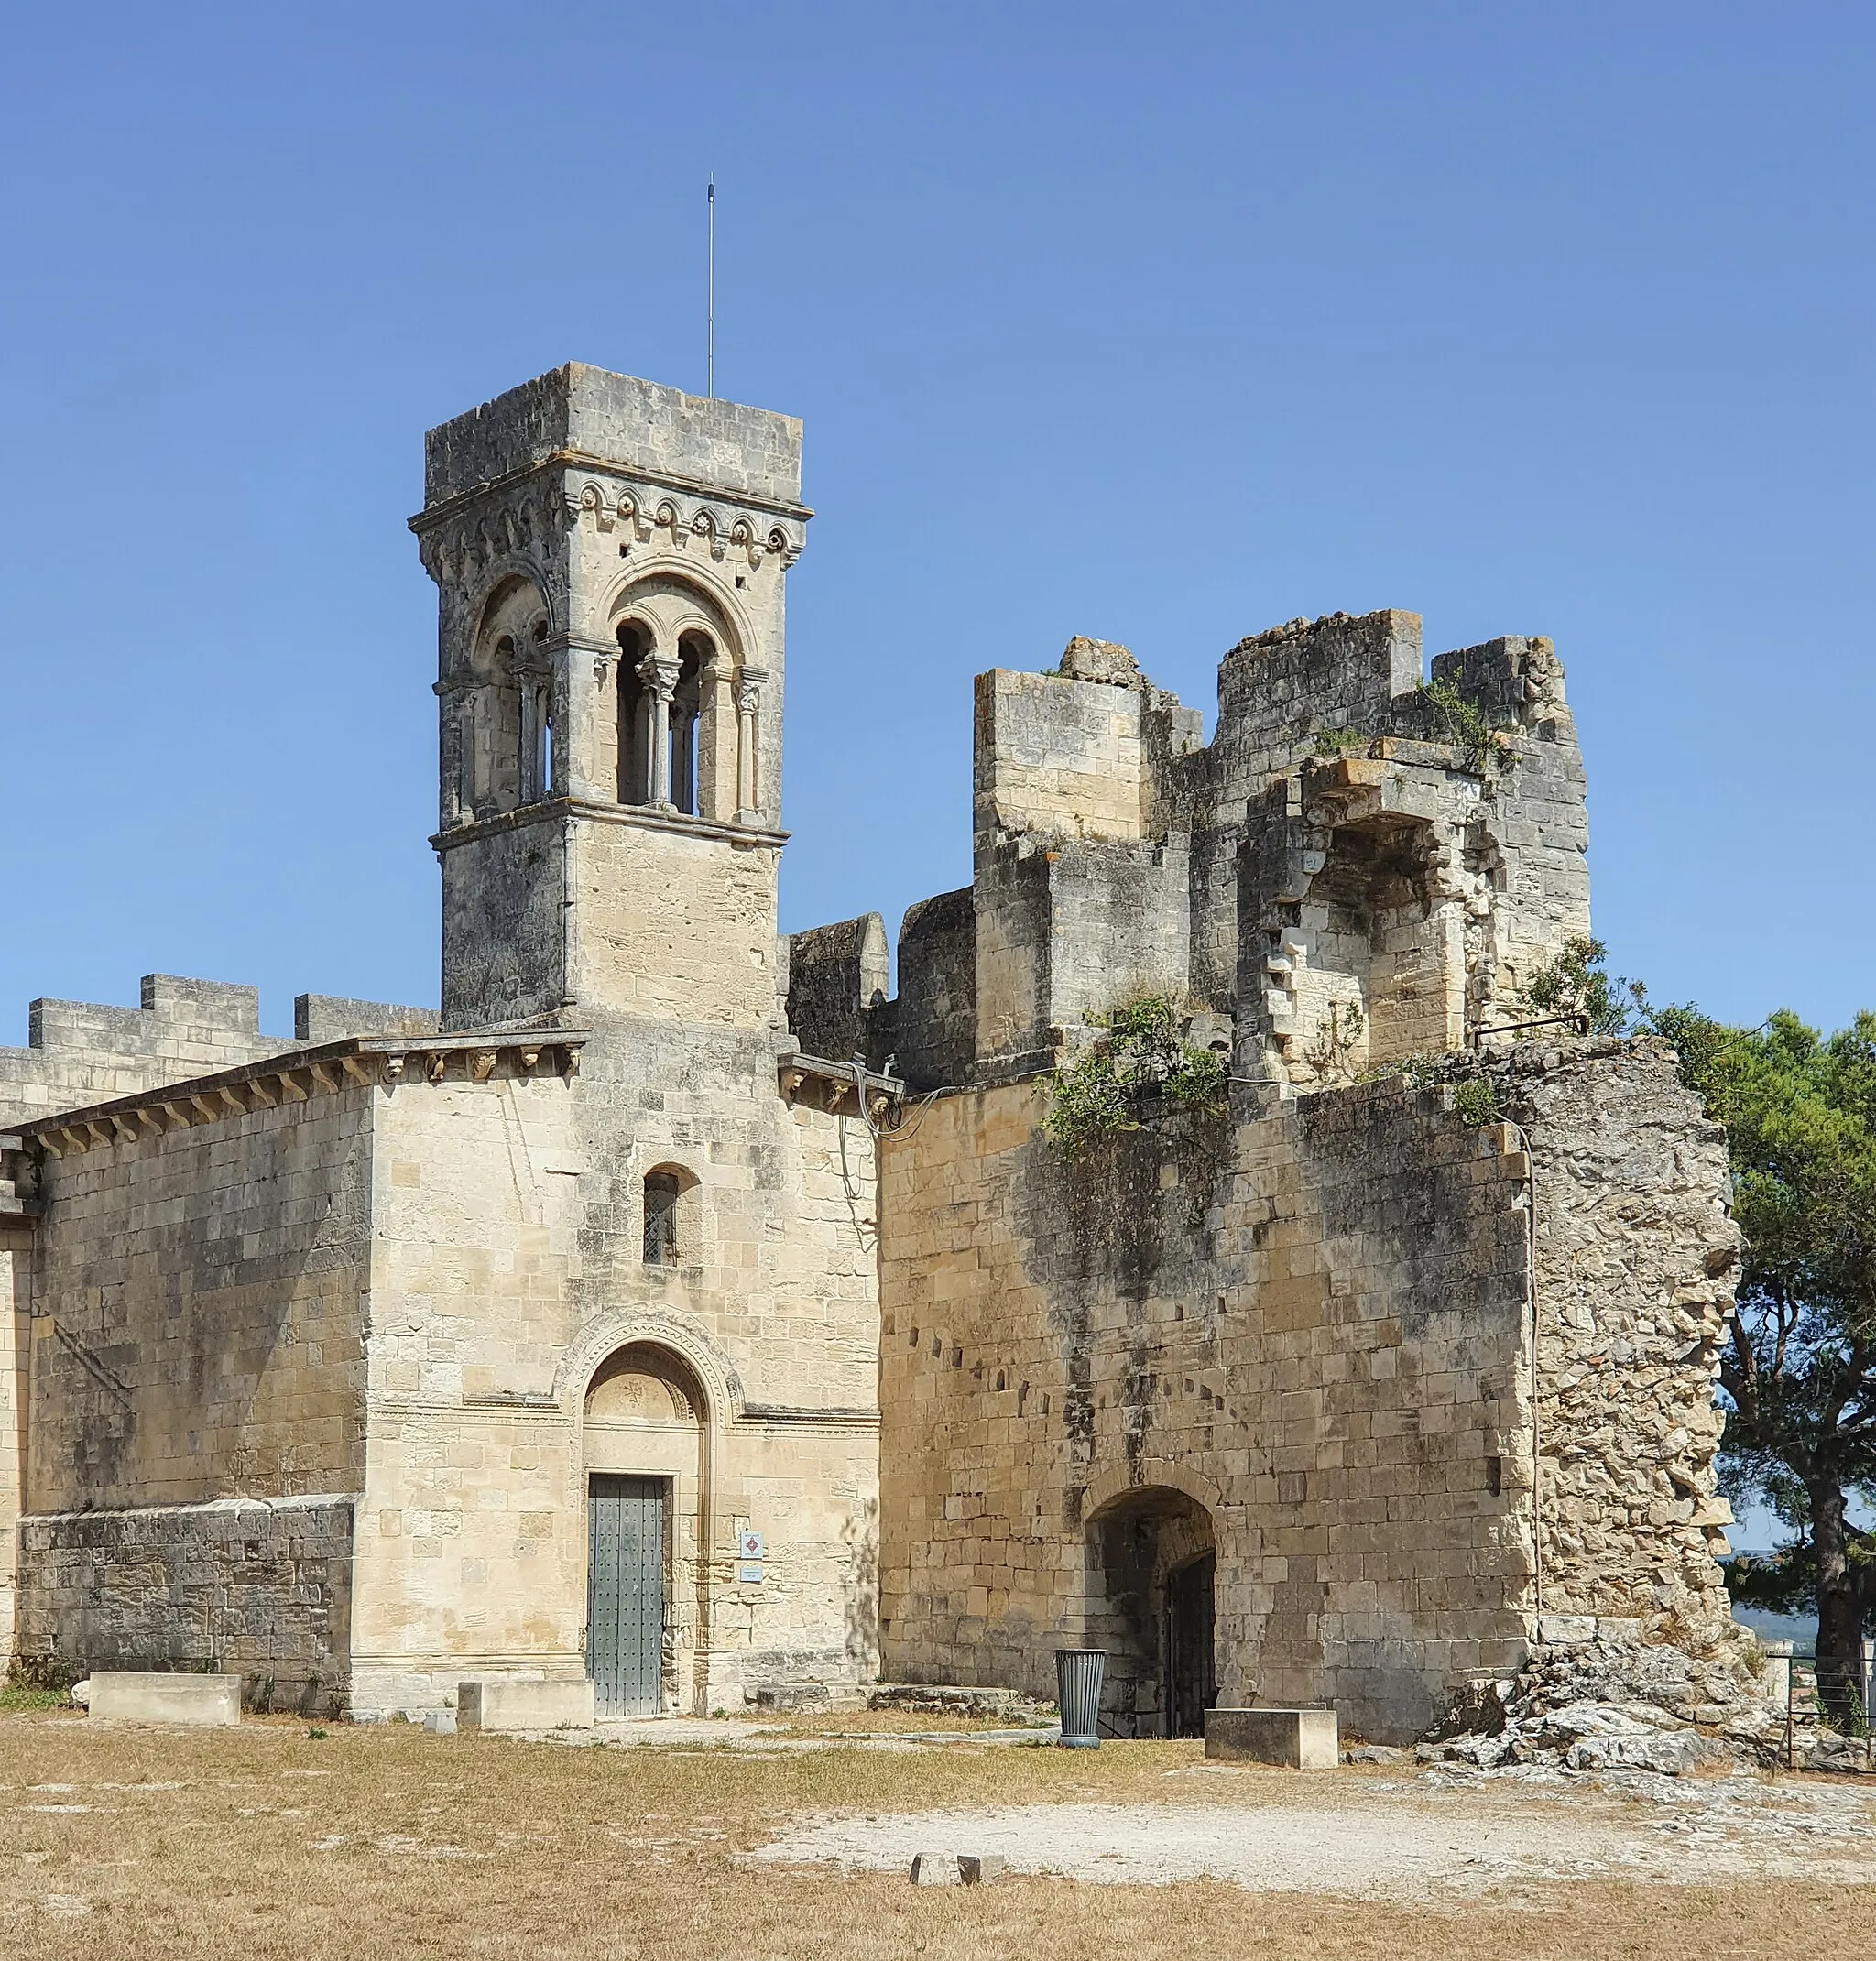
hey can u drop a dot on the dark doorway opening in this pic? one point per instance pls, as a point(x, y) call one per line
point(1151, 1579)
point(1191, 1684)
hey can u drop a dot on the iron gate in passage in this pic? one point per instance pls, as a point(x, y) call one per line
point(625, 1595)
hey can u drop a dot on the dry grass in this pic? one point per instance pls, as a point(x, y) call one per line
point(388, 1843)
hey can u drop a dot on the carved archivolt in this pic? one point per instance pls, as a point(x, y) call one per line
point(648, 1328)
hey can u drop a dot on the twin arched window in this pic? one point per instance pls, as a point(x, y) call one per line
point(667, 722)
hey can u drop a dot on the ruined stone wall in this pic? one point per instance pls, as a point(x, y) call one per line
point(932, 1026)
point(1636, 1258)
point(837, 976)
point(258, 1588)
point(1308, 1323)
point(1302, 1340)
point(1057, 755)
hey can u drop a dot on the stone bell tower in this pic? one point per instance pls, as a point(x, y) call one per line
point(610, 558)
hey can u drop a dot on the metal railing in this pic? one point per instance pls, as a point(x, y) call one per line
point(1801, 1692)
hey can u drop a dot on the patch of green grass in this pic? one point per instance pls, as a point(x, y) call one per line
point(16, 1700)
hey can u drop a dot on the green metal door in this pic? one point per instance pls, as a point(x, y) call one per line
point(625, 1595)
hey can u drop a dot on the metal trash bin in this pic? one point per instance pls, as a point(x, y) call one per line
point(1078, 1673)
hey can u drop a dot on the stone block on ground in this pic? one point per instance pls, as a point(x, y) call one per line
point(123, 1695)
point(979, 1868)
point(505, 1705)
point(1295, 1739)
point(935, 1868)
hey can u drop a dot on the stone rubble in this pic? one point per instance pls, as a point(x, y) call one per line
point(1598, 1695)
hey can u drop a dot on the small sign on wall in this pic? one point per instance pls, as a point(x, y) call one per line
point(749, 1552)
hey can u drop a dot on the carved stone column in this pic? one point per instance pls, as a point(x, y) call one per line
point(660, 677)
point(748, 699)
point(716, 740)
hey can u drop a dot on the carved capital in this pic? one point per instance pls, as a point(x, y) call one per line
point(748, 689)
point(660, 674)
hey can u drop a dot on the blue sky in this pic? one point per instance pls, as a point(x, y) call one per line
point(1161, 324)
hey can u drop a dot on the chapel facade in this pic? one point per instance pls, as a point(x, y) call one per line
point(681, 1315)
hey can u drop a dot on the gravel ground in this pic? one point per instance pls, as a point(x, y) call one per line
point(1391, 1839)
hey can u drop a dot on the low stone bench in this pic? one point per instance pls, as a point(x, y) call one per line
point(508, 1704)
point(123, 1695)
point(1294, 1739)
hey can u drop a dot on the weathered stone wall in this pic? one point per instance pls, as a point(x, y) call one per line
point(1058, 757)
point(1308, 1325)
point(1636, 1258)
point(837, 976)
point(1303, 1341)
point(197, 1309)
point(258, 1588)
point(508, 1273)
point(933, 1024)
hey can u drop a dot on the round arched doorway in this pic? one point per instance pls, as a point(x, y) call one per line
point(1151, 1566)
point(647, 1490)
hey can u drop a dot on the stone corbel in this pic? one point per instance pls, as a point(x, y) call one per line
point(668, 515)
point(482, 1065)
point(394, 1069)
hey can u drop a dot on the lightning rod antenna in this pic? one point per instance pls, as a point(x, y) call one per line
point(710, 299)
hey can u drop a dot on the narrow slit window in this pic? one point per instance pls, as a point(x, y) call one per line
point(661, 1193)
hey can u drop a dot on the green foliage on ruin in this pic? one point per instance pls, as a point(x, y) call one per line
point(1475, 1101)
point(1331, 743)
point(1577, 982)
point(1139, 1058)
point(1336, 1037)
point(1463, 724)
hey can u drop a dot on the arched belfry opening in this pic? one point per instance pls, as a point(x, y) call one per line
point(695, 652)
point(1151, 1566)
point(504, 734)
point(648, 1478)
point(688, 708)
